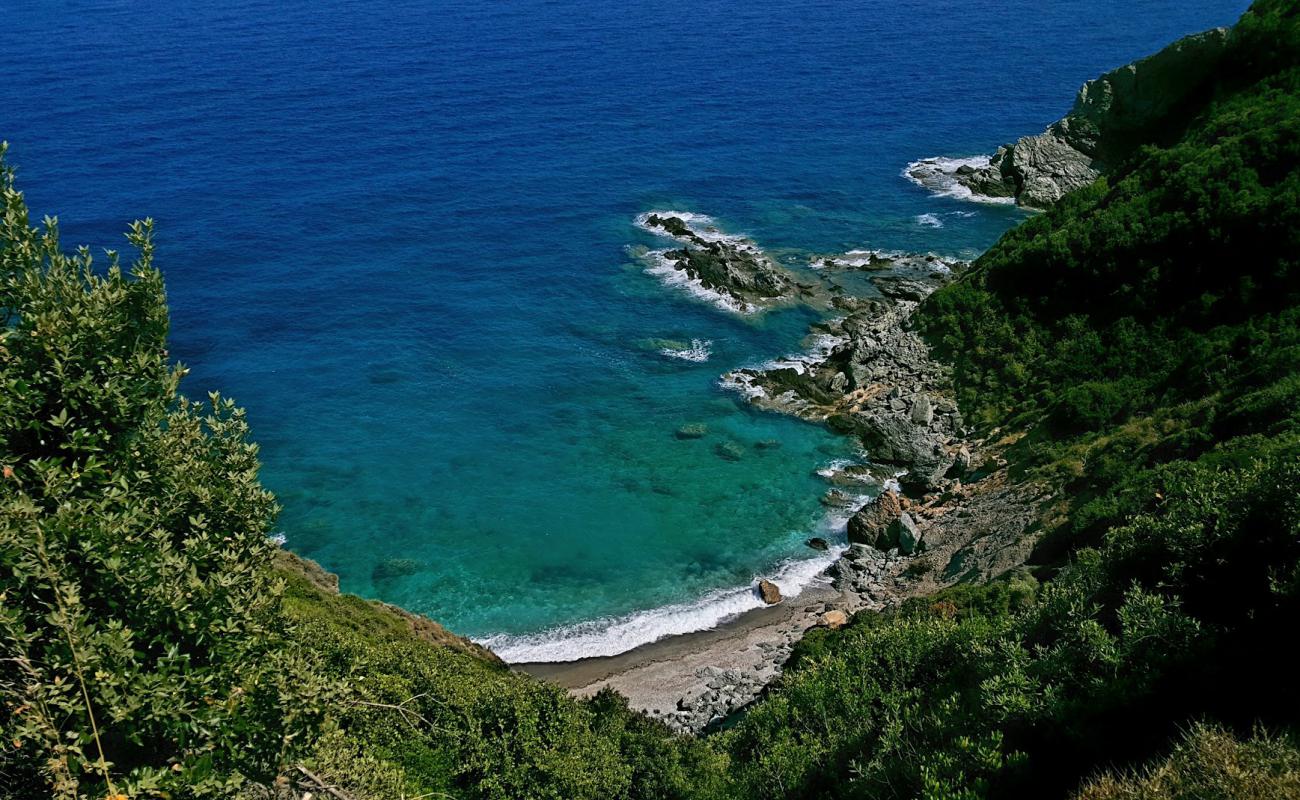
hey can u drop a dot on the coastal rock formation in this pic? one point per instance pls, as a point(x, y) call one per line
point(872, 376)
point(730, 270)
point(1111, 116)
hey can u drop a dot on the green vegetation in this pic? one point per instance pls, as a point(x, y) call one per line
point(1144, 335)
point(1211, 763)
point(141, 650)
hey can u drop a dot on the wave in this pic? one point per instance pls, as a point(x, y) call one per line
point(928, 221)
point(613, 635)
point(938, 175)
point(699, 351)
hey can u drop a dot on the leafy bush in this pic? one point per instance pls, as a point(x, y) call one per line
point(142, 645)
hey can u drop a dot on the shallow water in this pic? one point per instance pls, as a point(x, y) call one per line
point(398, 233)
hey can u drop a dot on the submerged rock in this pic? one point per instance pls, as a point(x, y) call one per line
point(769, 592)
point(729, 451)
point(818, 543)
point(391, 568)
point(695, 430)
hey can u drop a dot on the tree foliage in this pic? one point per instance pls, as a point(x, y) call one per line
point(141, 645)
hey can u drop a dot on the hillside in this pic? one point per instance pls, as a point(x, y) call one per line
point(1135, 350)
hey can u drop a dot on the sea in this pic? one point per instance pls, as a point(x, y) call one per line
point(402, 235)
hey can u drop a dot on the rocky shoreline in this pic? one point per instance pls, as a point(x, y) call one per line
point(1110, 117)
point(945, 511)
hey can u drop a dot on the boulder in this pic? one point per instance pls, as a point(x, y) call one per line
point(818, 543)
point(835, 619)
point(769, 592)
point(904, 532)
point(892, 438)
point(922, 410)
point(873, 520)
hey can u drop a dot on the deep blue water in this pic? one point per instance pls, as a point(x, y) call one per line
point(397, 233)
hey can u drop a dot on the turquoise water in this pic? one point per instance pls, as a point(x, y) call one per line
point(398, 233)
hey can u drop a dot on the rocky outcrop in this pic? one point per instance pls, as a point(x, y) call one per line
point(769, 592)
point(1111, 116)
point(874, 378)
point(730, 269)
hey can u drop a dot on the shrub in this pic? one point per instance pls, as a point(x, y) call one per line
point(139, 625)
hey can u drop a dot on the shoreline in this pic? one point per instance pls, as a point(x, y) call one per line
point(949, 514)
point(693, 680)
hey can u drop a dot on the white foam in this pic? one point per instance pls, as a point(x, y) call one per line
point(939, 176)
point(819, 349)
point(835, 467)
point(742, 383)
point(613, 635)
point(699, 351)
point(928, 221)
point(278, 538)
point(702, 225)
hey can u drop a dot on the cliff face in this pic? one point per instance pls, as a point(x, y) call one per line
point(1112, 115)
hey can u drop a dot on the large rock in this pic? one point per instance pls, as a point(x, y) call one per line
point(769, 592)
point(904, 532)
point(891, 437)
point(872, 521)
point(835, 619)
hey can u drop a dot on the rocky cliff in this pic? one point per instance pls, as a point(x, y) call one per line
point(1111, 116)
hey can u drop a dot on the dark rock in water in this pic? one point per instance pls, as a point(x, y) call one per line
point(767, 444)
point(836, 499)
point(729, 451)
point(818, 543)
point(871, 523)
point(695, 430)
point(732, 265)
point(391, 568)
point(769, 591)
